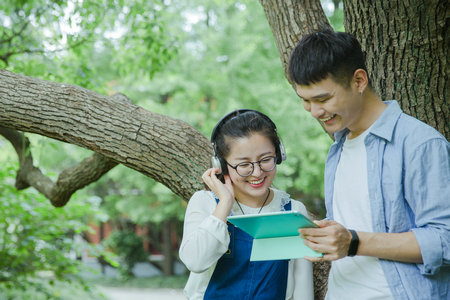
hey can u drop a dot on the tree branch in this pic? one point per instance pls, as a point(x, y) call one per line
point(70, 180)
point(168, 150)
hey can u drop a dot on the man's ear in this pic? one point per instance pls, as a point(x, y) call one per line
point(360, 80)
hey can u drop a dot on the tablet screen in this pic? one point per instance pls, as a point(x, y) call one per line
point(268, 225)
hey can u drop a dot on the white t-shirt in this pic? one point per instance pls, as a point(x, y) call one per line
point(206, 239)
point(359, 277)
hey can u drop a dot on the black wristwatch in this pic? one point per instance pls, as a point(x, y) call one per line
point(354, 243)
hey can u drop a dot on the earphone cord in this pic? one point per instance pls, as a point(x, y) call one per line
point(240, 207)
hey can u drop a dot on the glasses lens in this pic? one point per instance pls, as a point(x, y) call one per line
point(267, 164)
point(244, 169)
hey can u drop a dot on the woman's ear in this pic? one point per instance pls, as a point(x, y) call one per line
point(360, 80)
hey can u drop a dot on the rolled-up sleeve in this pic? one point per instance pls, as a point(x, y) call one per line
point(205, 237)
point(428, 191)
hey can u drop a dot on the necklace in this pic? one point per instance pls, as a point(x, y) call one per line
point(240, 207)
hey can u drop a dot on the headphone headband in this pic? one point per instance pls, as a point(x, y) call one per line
point(233, 114)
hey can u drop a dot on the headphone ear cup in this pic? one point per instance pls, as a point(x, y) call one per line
point(216, 163)
point(283, 155)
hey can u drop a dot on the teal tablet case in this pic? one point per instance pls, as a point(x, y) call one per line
point(276, 235)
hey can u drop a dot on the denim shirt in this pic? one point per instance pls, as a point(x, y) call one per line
point(408, 174)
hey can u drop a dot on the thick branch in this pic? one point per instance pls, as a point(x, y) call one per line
point(69, 181)
point(168, 150)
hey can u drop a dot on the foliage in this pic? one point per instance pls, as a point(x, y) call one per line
point(36, 239)
point(53, 290)
point(128, 246)
point(140, 199)
point(58, 40)
point(335, 13)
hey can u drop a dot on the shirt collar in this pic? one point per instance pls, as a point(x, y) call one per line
point(383, 126)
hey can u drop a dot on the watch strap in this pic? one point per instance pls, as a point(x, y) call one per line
point(354, 243)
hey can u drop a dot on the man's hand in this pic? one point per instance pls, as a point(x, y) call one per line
point(332, 239)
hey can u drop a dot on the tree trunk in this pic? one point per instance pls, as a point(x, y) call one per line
point(167, 250)
point(406, 45)
point(167, 150)
point(289, 19)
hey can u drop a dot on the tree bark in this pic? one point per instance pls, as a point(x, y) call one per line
point(406, 45)
point(168, 150)
point(167, 249)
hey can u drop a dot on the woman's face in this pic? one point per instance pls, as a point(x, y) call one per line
point(250, 149)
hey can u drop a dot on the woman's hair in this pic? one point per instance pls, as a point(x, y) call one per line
point(244, 125)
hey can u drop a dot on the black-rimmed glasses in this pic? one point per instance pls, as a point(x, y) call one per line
point(246, 169)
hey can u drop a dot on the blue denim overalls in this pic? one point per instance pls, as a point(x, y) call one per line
point(236, 277)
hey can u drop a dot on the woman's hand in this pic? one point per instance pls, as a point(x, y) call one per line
point(224, 191)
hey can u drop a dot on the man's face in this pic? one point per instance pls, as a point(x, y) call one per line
point(335, 106)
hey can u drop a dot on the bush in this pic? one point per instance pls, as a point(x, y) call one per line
point(36, 238)
point(129, 247)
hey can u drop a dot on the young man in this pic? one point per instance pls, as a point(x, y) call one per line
point(387, 181)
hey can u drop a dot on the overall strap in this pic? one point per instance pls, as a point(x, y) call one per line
point(288, 206)
point(235, 276)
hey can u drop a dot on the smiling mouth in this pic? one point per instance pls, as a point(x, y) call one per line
point(327, 119)
point(255, 182)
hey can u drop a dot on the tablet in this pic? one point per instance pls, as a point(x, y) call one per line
point(276, 235)
point(276, 224)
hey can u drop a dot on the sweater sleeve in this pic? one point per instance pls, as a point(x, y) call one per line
point(205, 237)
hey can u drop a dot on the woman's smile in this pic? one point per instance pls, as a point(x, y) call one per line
point(257, 183)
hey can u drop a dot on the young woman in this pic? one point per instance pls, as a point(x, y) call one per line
point(246, 152)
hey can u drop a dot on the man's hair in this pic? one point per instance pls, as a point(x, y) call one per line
point(326, 53)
